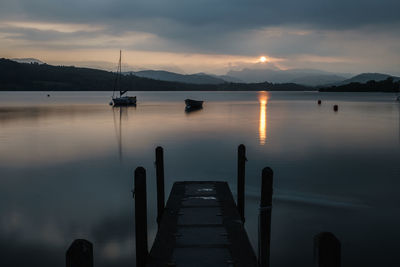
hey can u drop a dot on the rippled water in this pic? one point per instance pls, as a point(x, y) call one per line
point(67, 161)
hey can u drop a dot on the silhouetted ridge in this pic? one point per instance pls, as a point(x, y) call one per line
point(388, 85)
point(43, 77)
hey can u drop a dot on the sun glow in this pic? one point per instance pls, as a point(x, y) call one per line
point(263, 59)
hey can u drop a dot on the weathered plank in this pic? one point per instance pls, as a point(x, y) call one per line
point(201, 226)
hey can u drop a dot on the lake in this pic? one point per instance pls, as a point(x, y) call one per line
point(67, 162)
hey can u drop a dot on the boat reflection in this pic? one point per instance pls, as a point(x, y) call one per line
point(262, 130)
point(120, 113)
point(192, 109)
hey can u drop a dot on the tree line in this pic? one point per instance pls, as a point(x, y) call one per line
point(388, 85)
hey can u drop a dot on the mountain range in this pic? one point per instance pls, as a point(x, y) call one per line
point(198, 78)
point(366, 77)
point(32, 76)
point(305, 77)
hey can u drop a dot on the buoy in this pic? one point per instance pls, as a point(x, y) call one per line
point(319, 102)
point(335, 108)
point(48, 95)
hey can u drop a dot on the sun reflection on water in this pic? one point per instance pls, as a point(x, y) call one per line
point(263, 98)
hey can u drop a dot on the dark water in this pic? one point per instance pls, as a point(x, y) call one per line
point(67, 161)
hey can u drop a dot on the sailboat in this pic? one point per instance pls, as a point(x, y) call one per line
point(121, 100)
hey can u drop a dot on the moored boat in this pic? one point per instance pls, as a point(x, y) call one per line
point(121, 100)
point(124, 101)
point(193, 104)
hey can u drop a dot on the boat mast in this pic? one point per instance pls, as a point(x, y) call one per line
point(119, 74)
point(121, 91)
point(117, 82)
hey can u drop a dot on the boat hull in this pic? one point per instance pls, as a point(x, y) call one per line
point(193, 104)
point(125, 101)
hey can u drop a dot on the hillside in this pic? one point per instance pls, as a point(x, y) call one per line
point(27, 60)
point(161, 75)
point(43, 77)
point(388, 85)
point(366, 77)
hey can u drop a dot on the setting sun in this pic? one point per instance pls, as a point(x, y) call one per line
point(263, 59)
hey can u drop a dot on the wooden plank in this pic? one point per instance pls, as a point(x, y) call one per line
point(201, 226)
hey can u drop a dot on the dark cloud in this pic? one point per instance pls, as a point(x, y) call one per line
point(224, 16)
point(235, 27)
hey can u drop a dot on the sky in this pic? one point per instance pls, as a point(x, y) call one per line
point(212, 36)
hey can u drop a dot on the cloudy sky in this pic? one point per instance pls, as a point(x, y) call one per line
point(211, 36)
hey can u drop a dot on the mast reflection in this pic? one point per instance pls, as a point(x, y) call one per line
point(123, 115)
point(262, 130)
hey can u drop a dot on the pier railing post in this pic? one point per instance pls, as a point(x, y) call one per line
point(141, 217)
point(326, 250)
point(264, 223)
point(241, 179)
point(160, 183)
point(79, 254)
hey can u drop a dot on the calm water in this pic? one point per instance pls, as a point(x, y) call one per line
point(67, 161)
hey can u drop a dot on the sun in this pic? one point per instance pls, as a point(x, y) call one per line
point(263, 59)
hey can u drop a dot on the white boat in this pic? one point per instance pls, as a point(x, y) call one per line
point(121, 100)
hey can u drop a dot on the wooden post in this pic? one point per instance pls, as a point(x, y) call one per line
point(326, 250)
point(80, 254)
point(264, 222)
point(241, 180)
point(141, 217)
point(335, 108)
point(160, 183)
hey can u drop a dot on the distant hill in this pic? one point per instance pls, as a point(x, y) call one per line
point(43, 77)
point(387, 85)
point(229, 79)
point(306, 77)
point(161, 75)
point(27, 60)
point(366, 77)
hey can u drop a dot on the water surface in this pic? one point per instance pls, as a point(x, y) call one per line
point(67, 162)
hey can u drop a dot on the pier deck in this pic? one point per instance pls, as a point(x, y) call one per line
point(201, 226)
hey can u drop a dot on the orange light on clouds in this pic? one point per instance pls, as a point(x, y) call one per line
point(100, 49)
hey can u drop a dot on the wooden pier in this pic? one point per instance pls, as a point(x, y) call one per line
point(202, 225)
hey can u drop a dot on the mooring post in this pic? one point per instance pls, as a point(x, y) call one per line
point(241, 180)
point(79, 254)
point(264, 222)
point(326, 250)
point(335, 108)
point(160, 183)
point(141, 216)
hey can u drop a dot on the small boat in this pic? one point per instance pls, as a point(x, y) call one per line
point(193, 104)
point(124, 101)
point(121, 100)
